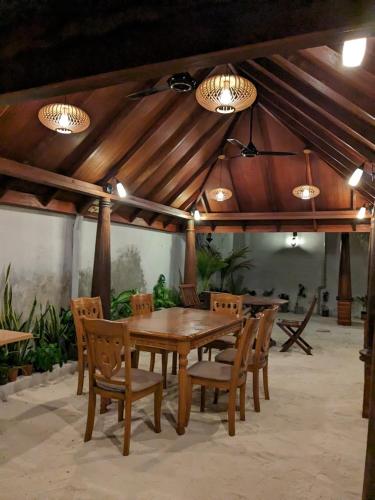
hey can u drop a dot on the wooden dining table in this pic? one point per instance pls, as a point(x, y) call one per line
point(9, 337)
point(180, 330)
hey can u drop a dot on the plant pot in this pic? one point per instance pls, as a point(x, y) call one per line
point(364, 315)
point(13, 373)
point(325, 313)
point(3, 375)
point(27, 370)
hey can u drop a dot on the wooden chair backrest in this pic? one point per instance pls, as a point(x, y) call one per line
point(267, 321)
point(107, 342)
point(142, 303)
point(189, 295)
point(228, 304)
point(309, 313)
point(85, 307)
point(245, 340)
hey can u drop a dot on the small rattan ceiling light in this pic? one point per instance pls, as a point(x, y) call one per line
point(220, 193)
point(226, 93)
point(306, 191)
point(64, 118)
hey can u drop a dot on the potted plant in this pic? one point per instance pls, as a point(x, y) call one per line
point(3, 366)
point(163, 296)
point(325, 310)
point(363, 302)
point(284, 307)
point(298, 309)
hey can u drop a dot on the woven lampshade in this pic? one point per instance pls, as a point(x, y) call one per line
point(220, 194)
point(226, 93)
point(64, 118)
point(306, 192)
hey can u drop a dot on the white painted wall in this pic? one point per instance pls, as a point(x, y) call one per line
point(138, 257)
point(39, 247)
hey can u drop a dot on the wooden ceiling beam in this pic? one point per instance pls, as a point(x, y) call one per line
point(40, 176)
point(316, 115)
point(305, 215)
point(290, 228)
point(309, 93)
point(315, 138)
point(121, 44)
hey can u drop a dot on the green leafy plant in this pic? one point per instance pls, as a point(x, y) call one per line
point(163, 296)
point(300, 295)
point(236, 261)
point(209, 262)
point(46, 356)
point(120, 304)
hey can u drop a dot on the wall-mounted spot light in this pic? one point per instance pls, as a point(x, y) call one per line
point(209, 239)
point(293, 241)
point(353, 52)
point(361, 212)
point(121, 191)
point(196, 214)
point(108, 188)
point(356, 176)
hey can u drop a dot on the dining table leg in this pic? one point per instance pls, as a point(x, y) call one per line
point(183, 351)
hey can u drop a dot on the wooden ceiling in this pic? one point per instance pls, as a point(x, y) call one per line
point(164, 148)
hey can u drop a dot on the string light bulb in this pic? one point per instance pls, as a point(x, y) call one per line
point(353, 52)
point(361, 212)
point(356, 176)
point(121, 191)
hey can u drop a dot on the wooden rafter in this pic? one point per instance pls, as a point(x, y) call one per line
point(305, 215)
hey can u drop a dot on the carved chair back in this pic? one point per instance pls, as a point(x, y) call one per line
point(189, 295)
point(267, 321)
point(142, 303)
point(85, 307)
point(228, 304)
point(245, 340)
point(107, 343)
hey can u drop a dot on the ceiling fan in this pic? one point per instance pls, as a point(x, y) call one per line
point(250, 151)
point(180, 83)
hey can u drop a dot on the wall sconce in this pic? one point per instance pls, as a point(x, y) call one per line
point(293, 241)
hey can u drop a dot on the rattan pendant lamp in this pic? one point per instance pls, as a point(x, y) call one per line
point(307, 191)
point(220, 193)
point(226, 93)
point(64, 118)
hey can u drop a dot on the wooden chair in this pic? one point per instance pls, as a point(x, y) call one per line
point(88, 307)
point(294, 330)
point(229, 305)
point(258, 358)
point(220, 376)
point(189, 296)
point(143, 303)
point(110, 378)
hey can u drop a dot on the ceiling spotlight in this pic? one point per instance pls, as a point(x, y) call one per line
point(121, 191)
point(361, 212)
point(196, 214)
point(356, 176)
point(353, 52)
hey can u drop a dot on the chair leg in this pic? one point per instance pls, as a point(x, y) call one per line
point(189, 396)
point(200, 353)
point(164, 367)
point(81, 372)
point(127, 426)
point(174, 363)
point(265, 382)
point(216, 396)
point(90, 415)
point(232, 413)
point(203, 398)
point(120, 410)
point(242, 401)
point(256, 390)
point(158, 397)
point(135, 358)
point(152, 362)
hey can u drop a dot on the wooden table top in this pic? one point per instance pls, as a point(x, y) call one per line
point(8, 337)
point(180, 323)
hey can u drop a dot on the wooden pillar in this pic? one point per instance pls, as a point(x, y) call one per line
point(101, 278)
point(368, 356)
point(190, 275)
point(344, 297)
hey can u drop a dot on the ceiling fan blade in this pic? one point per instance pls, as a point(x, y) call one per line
point(233, 157)
point(275, 153)
point(236, 142)
point(146, 92)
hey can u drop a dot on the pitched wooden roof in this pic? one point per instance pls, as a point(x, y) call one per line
point(164, 147)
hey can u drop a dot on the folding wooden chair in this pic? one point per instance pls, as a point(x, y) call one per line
point(294, 331)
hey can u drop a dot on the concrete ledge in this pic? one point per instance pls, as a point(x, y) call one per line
point(36, 378)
